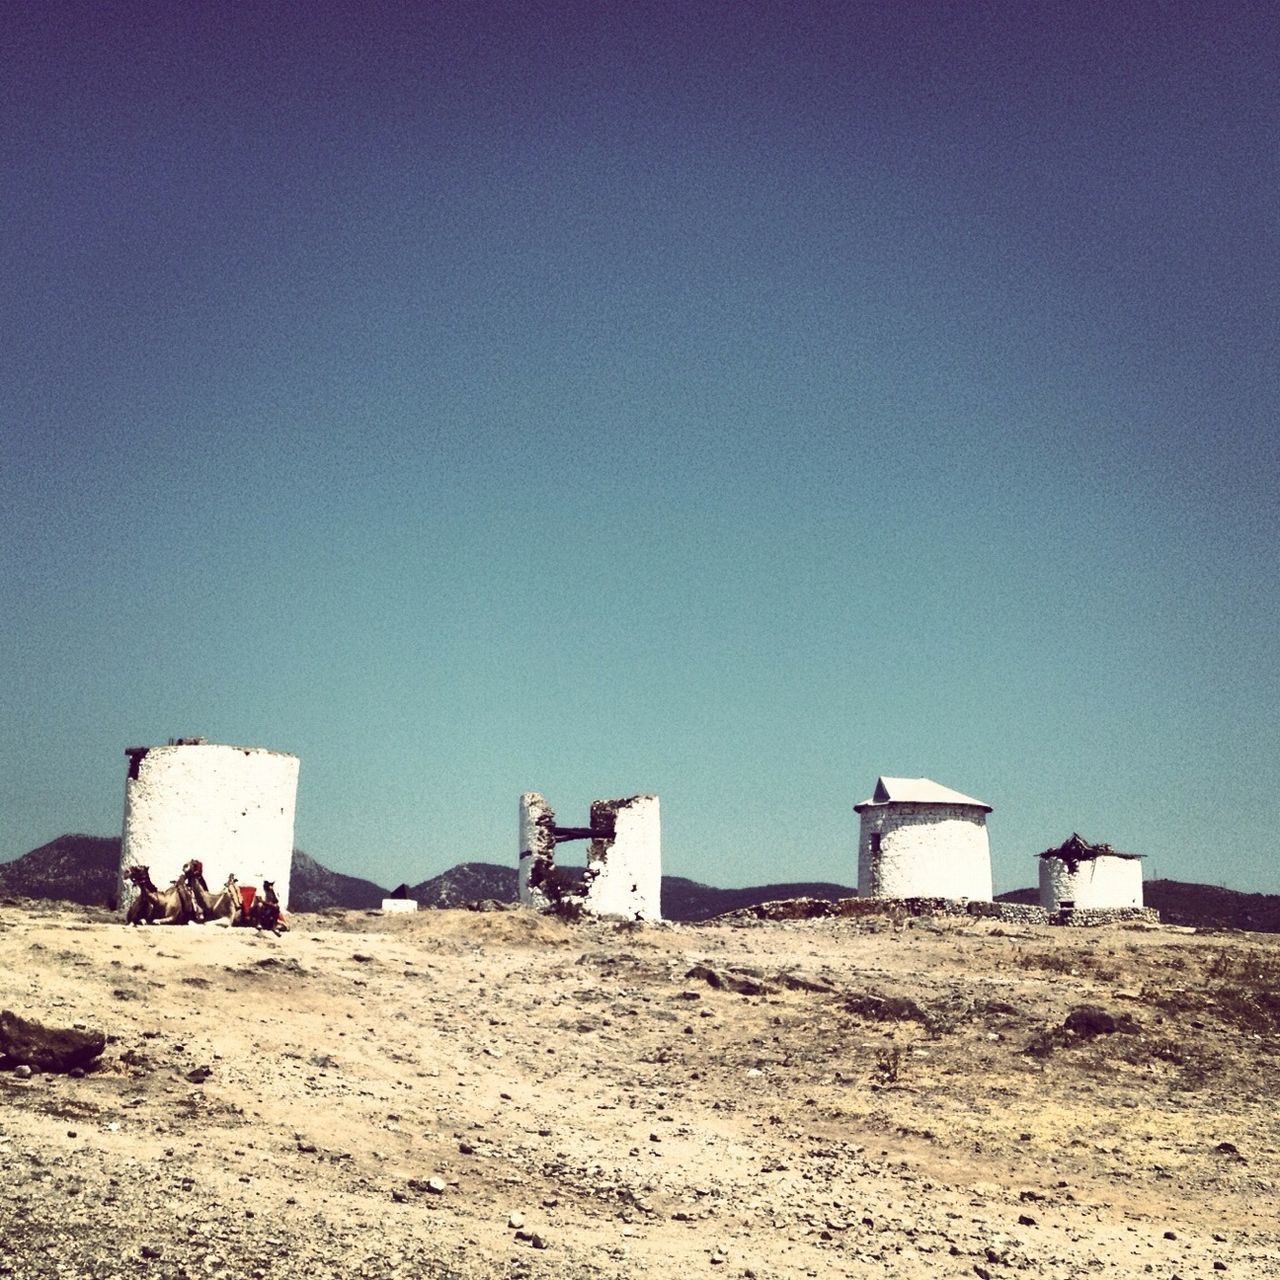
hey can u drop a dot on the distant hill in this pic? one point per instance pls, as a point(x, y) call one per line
point(73, 868)
point(313, 887)
point(1209, 906)
point(467, 882)
point(82, 868)
point(681, 899)
point(688, 900)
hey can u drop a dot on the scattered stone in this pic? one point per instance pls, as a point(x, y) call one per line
point(740, 981)
point(515, 1221)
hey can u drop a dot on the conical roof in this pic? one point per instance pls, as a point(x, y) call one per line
point(916, 791)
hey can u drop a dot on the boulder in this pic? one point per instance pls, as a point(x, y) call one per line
point(49, 1048)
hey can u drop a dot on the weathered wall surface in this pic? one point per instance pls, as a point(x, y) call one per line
point(537, 848)
point(1095, 882)
point(231, 807)
point(624, 875)
point(926, 851)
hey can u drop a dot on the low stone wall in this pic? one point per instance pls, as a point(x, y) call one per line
point(860, 908)
point(1010, 912)
point(869, 908)
point(1090, 917)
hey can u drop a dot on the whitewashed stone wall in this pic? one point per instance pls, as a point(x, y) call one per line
point(1104, 881)
point(926, 851)
point(624, 875)
point(231, 807)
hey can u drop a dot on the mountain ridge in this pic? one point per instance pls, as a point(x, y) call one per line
point(76, 867)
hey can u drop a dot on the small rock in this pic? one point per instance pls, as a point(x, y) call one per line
point(515, 1221)
point(1026, 1220)
point(1170, 1235)
point(22, 1072)
point(435, 1186)
point(152, 1251)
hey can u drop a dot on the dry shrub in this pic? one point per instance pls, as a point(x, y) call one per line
point(1246, 989)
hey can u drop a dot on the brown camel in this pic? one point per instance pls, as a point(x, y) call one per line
point(173, 905)
point(264, 910)
point(224, 905)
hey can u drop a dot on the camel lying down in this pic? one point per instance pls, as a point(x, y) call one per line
point(189, 901)
point(173, 905)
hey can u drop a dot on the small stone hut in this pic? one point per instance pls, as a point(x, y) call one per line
point(1089, 877)
point(230, 807)
point(918, 839)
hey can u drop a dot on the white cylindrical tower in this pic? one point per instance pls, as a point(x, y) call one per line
point(1089, 877)
point(230, 807)
point(917, 839)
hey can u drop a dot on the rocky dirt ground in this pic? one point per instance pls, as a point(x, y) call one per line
point(497, 1094)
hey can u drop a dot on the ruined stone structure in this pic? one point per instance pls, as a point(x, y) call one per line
point(1079, 876)
point(921, 840)
point(623, 875)
point(230, 807)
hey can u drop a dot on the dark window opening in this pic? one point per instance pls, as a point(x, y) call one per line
point(875, 842)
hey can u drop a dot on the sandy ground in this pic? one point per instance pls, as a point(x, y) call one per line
point(461, 1094)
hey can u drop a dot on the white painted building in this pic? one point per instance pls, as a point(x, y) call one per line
point(623, 876)
point(1089, 876)
point(918, 839)
point(230, 807)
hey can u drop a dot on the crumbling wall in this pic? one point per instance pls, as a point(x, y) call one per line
point(624, 858)
point(537, 851)
point(230, 807)
point(624, 871)
point(924, 850)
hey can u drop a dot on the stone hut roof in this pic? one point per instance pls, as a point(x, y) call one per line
point(916, 791)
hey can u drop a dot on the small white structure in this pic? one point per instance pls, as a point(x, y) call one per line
point(230, 807)
point(623, 875)
point(399, 901)
point(1089, 877)
point(921, 840)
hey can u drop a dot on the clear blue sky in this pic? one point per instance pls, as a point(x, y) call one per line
point(734, 401)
